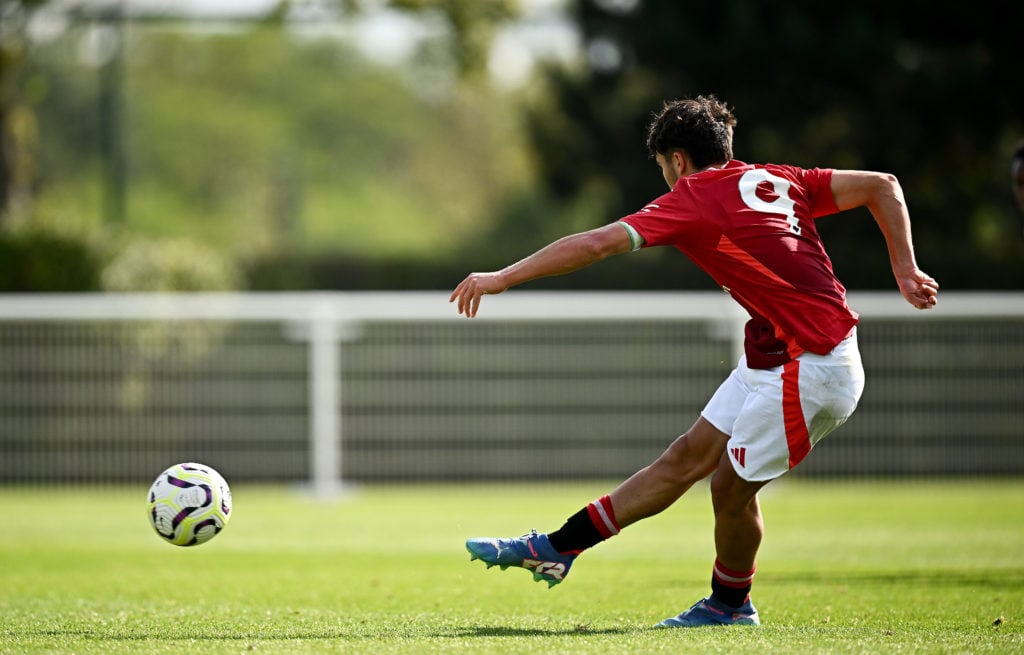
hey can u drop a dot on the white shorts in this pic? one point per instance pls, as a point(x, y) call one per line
point(775, 416)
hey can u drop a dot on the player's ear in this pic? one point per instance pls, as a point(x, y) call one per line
point(681, 163)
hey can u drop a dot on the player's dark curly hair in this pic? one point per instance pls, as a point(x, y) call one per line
point(701, 126)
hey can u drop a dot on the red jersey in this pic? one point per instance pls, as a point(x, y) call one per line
point(751, 228)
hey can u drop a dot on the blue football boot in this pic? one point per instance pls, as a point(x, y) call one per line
point(709, 611)
point(531, 551)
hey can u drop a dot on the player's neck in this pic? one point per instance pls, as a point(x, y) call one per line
point(710, 167)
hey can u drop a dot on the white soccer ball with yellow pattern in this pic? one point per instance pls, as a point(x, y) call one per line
point(189, 504)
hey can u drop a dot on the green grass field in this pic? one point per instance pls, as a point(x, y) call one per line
point(845, 568)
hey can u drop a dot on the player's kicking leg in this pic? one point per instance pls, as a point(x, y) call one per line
point(690, 458)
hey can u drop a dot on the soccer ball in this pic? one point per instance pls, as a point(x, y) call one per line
point(189, 504)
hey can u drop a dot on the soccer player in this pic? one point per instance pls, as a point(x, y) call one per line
point(751, 227)
point(1017, 176)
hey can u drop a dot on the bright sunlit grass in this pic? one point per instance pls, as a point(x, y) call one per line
point(845, 568)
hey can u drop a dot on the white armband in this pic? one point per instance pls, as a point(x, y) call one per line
point(634, 236)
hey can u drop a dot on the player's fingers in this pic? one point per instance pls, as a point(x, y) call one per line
point(478, 294)
point(469, 298)
point(457, 293)
point(925, 300)
point(927, 281)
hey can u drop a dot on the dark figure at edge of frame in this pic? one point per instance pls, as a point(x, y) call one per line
point(1017, 176)
point(752, 228)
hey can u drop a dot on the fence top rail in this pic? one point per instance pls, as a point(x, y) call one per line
point(345, 306)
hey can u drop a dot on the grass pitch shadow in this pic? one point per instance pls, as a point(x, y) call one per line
point(505, 631)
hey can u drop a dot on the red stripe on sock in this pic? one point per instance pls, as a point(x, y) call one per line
point(606, 503)
point(731, 577)
point(603, 517)
point(598, 522)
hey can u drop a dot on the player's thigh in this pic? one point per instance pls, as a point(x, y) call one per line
point(694, 455)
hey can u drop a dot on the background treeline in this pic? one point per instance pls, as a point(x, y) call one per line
point(145, 152)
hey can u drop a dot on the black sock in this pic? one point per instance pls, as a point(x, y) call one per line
point(576, 535)
point(730, 587)
point(587, 527)
point(730, 596)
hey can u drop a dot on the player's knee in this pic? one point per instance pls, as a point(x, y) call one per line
point(731, 493)
point(686, 462)
point(721, 492)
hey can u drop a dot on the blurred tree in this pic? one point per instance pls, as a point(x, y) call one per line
point(262, 138)
point(472, 24)
point(276, 144)
point(929, 91)
point(42, 260)
point(18, 131)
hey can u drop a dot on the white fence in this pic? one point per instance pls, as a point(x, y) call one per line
point(396, 386)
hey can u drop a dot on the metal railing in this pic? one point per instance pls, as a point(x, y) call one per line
point(541, 384)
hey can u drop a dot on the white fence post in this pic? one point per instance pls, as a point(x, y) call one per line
point(324, 406)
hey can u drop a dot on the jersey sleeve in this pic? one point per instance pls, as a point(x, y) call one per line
point(661, 222)
point(817, 187)
point(818, 182)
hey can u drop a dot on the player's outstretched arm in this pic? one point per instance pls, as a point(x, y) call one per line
point(566, 255)
point(882, 194)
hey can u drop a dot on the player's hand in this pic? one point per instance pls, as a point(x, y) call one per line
point(919, 288)
point(472, 289)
